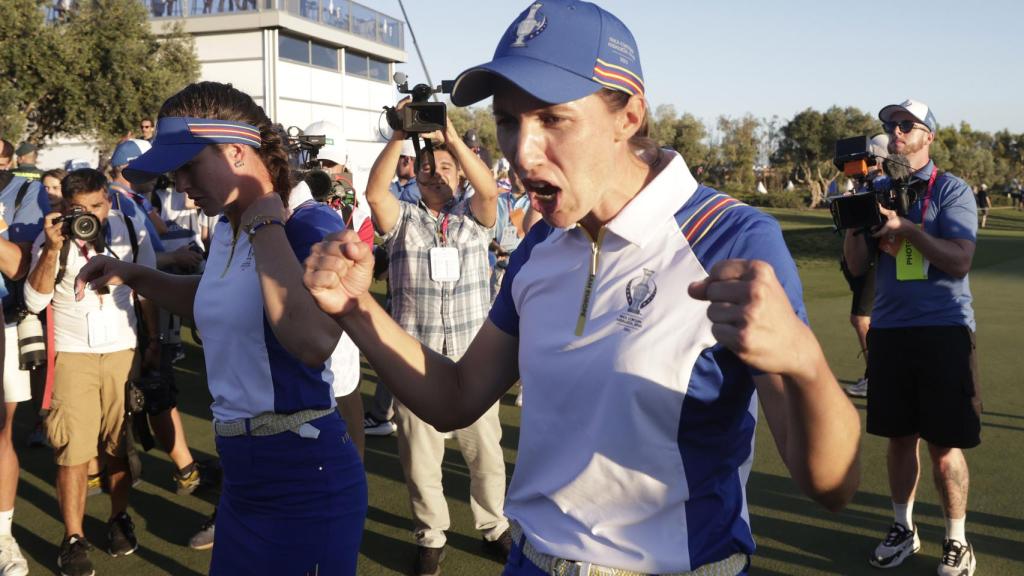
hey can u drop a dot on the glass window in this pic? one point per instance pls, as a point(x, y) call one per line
point(324, 56)
point(293, 49)
point(355, 64)
point(379, 70)
point(364, 22)
point(390, 31)
point(336, 14)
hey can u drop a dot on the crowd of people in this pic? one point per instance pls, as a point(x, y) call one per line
point(642, 311)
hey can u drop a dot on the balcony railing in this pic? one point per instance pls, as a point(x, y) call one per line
point(339, 14)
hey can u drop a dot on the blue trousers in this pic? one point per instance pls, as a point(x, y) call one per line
point(290, 505)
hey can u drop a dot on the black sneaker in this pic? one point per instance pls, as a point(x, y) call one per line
point(121, 539)
point(428, 561)
point(501, 547)
point(73, 558)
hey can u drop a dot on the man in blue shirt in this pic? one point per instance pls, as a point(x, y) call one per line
point(405, 187)
point(22, 205)
point(921, 348)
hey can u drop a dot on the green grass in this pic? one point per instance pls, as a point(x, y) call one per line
point(794, 536)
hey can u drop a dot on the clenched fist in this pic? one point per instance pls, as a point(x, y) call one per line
point(339, 270)
point(752, 316)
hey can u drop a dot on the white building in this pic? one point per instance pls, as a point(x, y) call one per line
point(302, 60)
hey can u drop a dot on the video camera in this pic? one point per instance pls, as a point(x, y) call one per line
point(303, 150)
point(80, 225)
point(419, 116)
point(853, 156)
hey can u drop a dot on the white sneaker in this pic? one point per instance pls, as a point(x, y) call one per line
point(858, 390)
point(12, 563)
point(374, 427)
point(899, 544)
point(957, 559)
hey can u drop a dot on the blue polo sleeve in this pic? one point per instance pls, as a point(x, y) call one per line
point(309, 225)
point(761, 239)
point(27, 222)
point(958, 212)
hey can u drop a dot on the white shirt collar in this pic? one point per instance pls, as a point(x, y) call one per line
point(638, 220)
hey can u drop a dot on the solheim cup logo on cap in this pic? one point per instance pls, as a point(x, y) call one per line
point(640, 291)
point(530, 26)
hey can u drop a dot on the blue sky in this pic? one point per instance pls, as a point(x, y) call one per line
point(732, 57)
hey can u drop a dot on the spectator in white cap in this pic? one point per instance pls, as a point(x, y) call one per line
point(921, 349)
point(644, 314)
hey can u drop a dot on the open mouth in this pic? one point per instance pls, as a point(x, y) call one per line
point(541, 191)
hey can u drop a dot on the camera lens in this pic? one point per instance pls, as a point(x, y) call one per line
point(85, 227)
point(31, 343)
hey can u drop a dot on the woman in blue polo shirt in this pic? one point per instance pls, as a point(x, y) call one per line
point(294, 491)
point(636, 443)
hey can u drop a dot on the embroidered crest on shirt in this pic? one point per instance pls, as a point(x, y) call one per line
point(640, 291)
point(530, 26)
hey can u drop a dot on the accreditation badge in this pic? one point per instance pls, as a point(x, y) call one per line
point(444, 264)
point(910, 263)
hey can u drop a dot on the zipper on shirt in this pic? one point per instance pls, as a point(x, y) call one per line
point(588, 288)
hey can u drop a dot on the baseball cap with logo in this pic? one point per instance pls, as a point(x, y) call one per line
point(918, 110)
point(558, 51)
point(336, 148)
point(179, 139)
point(127, 151)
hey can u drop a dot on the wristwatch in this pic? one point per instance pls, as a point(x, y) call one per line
point(258, 221)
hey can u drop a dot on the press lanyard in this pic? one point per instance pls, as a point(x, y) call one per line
point(443, 230)
point(928, 195)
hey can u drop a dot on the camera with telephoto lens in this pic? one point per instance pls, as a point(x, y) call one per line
point(31, 342)
point(861, 210)
point(419, 116)
point(79, 224)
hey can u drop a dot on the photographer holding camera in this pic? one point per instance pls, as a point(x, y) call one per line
point(921, 362)
point(95, 341)
point(22, 205)
point(440, 294)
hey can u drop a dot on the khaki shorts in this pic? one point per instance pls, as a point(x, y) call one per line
point(88, 405)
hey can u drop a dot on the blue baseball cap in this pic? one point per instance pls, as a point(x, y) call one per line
point(558, 51)
point(180, 139)
point(127, 151)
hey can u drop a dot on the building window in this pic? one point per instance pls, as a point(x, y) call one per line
point(324, 56)
point(365, 66)
point(293, 49)
point(379, 70)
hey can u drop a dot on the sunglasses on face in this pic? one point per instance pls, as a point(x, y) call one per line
point(146, 126)
point(905, 126)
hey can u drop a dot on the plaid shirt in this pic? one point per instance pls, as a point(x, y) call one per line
point(445, 316)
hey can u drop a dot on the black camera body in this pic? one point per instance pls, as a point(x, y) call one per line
point(861, 210)
point(419, 116)
point(79, 224)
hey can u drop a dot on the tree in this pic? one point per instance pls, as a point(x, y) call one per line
point(480, 119)
point(686, 134)
point(93, 75)
point(738, 149)
point(808, 143)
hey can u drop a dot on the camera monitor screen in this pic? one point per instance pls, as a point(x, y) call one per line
point(856, 211)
